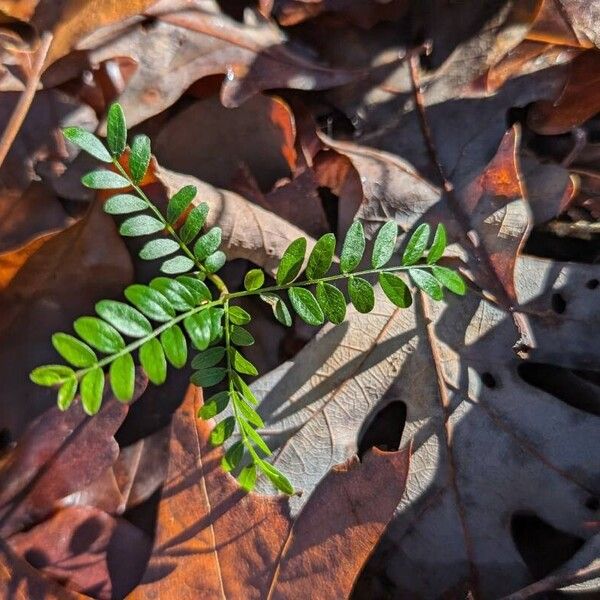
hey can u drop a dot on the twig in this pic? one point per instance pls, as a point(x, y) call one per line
point(22, 107)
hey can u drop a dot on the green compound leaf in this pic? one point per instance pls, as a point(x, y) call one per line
point(196, 288)
point(150, 302)
point(175, 346)
point(438, 245)
point(215, 261)
point(50, 375)
point(92, 388)
point(209, 377)
point(233, 457)
point(116, 130)
point(280, 310)
point(122, 377)
point(208, 243)
point(158, 248)
point(242, 386)
point(208, 358)
point(99, 334)
point(450, 279)
point(123, 204)
point(73, 351)
point(66, 393)
point(87, 141)
point(104, 180)
point(214, 405)
point(426, 282)
point(332, 302)
point(198, 328)
point(178, 264)
point(124, 318)
point(353, 248)
point(395, 289)
point(140, 225)
point(247, 411)
point(180, 201)
point(361, 294)
point(241, 364)
point(260, 443)
point(241, 337)
point(306, 305)
point(238, 316)
point(222, 431)
point(247, 478)
point(416, 245)
point(277, 478)
point(384, 246)
point(139, 159)
point(194, 223)
point(152, 359)
point(216, 325)
point(254, 280)
point(321, 257)
point(176, 293)
point(291, 262)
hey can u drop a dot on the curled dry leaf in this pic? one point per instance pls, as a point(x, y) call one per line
point(214, 540)
point(487, 432)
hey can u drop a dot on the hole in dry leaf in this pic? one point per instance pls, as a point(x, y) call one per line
point(336, 125)
point(542, 547)
point(564, 384)
point(558, 303)
point(489, 380)
point(592, 503)
point(385, 429)
point(592, 284)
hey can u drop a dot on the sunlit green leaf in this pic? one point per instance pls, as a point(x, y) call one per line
point(152, 359)
point(198, 328)
point(92, 388)
point(180, 201)
point(353, 248)
point(197, 288)
point(361, 294)
point(208, 243)
point(139, 159)
point(426, 282)
point(194, 223)
point(247, 478)
point(104, 180)
point(214, 405)
point(116, 130)
point(450, 279)
point(384, 245)
point(291, 262)
point(87, 141)
point(176, 293)
point(175, 346)
point(254, 280)
point(247, 411)
point(241, 364)
point(215, 261)
point(277, 478)
point(232, 457)
point(158, 248)
point(122, 377)
point(416, 245)
point(306, 305)
point(66, 393)
point(238, 316)
point(123, 204)
point(176, 265)
point(124, 318)
point(241, 337)
point(208, 377)
point(49, 375)
point(73, 351)
point(255, 437)
point(140, 225)
point(321, 257)
point(222, 431)
point(280, 310)
point(244, 389)
point(438, 245)
point(216, 324)
point(150, 302)
point(208, 358)
point(395, 289)
point(332, 302)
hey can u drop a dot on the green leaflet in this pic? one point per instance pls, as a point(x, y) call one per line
point(176, 265)
point(238, 316)
point(87, 141)
point(277, 478)
point(247, 411)
point(198, 328)
point(306, 305)
point(416, 245)
point(196, 288)
point(124, 318)
point(208, 358)
point(150, 302)
point(122, 377)
point(140, 225)
point(247, 478)
point(353, 248)
point(450, 279)
point(116, 130)
point(152, 359)
point(158, 248)
point(241, 337)
point(194, 222)
point(73, 351)
point(426, 282)
point(139, 159)
point(214, 405)
point(260, 443)
point(176, 293)
point(280, 310)
point(438, 245)
point(222, 431)
point(243, 388)
point(209, 377)
point(104, 180)
point(241, 364)
point(123, 204)
point(385, 242)
point(361, 294)
point(215, 261)
point(395, 289)
point(332, 302)
point(291, 262)
point(92, 388)
point(175, 346)
point(207, 244)
point(321, 257)
point(254, 280)
point(66, 393)
point(232, 457)
point(50, 375)
point(180, 201)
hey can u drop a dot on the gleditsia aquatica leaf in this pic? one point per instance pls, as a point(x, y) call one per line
point(450, 279)
point(208, 377)
point(66, 393)
point(361, 294)
point(238, 316)
point(241, 336)
point(87, 141)
point(140, 225)
point(291, 262)
point(321, 257)
point(175, 292)
point(99, 334)
point(438, 245)
point(139, 158)
point(92, 388)
point(306, 305)
point(159, 248)
point(50, 375)
point(174, 344)
point(416, 245)
point(215, 261)
point(207, 244)
point(332, 302)
point(222, 431)
point(214, 405)
point(241, 364)
point(193, 223)
point(123, 204)
point(385, 243)
point(116, 130)
point(254, 280)
point(353, 248)
point(104, 180)
point(150, 302)
point(124, 318)
point(122, 377)
point(208, 358)
point(73, 350)
point(198, 289)
point(395, 289)
point(177, 265)
point(198, 328)
point(425, 281)
point(180, 201)
point(152, 359)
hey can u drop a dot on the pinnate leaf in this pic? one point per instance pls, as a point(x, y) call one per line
point(232, 457)
point(214, 405)
point(321, 257)
point(152, 359)
point(66, 393)
point(215, 261)
point(175, 292)
point(139, 159)
point(158, 248)
point(150, 302)
point(238, 316)
point(198, 328)
point(208, 358)
point(209, 377)
point(450, 279)
point(361, 294)
point(241, 337)
point(277, 478)
point(241, 364)
point(438, 245)
point(208, 243)
point(384, 245)
point(92, 388)
point(395, 289)
point(280, 310)
point(124, 318)
point(427, 282)
point(194, 223)
point(254, 280)
point(353, 248)
point(122, 377)
point(176, 265)
point(416, 245)
point(123, 204)
point(198, 289)
point(104, 180)
point(87, 141)
point(49, 375)
point(116, 130)
point(291, 262)
point(332, 302)
point(247, 478)
point(175, 346)
point(73, 351)
point(306, 305)
point(140, 225)
point(180, 201)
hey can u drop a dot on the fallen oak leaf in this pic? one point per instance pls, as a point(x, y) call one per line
point(215, 541)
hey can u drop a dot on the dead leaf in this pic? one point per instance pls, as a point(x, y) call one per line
point(583, 17)
point(245, 545)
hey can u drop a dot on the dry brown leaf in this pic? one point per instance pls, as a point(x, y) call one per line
point(584, 17)
point(215, 541)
